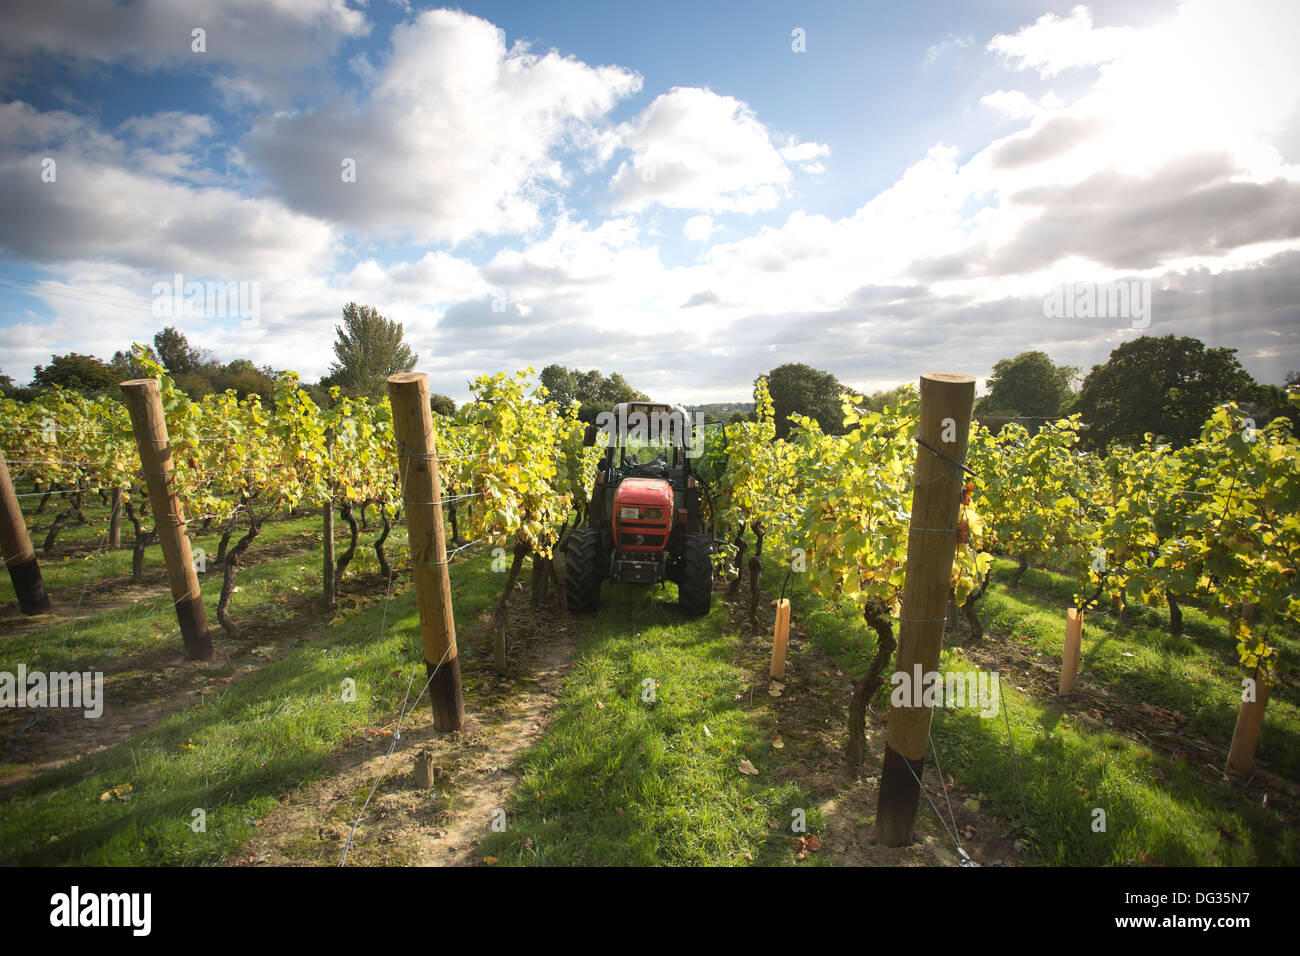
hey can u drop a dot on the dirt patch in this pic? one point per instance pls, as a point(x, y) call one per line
point(474, 769)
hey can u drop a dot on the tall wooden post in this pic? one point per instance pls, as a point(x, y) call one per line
point(780, 635)
point(1070, 652)
point(1250, 718)
point(946, 402)
point(422, 498)
point(20, 559)
point(1245, 735)
point(144, 403)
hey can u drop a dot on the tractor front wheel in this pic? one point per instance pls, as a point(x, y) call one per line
point(582, 570)
point(695, 589)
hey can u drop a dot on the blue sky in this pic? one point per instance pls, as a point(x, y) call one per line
point(671, 191)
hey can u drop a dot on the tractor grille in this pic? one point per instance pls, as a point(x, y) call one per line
point(642, 535)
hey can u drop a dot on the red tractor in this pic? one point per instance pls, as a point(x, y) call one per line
point(643, 522)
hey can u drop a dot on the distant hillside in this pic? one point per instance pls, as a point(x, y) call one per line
point(723, 410)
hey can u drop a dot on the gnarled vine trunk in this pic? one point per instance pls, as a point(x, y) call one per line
point(968, 608)
point(1019, 572)
point(384, 567)
point(740, 545)
point(225, 538)
point(142, 541)
point(878, 619)
point(230, 566)
point(502, 614)
point(345, 512)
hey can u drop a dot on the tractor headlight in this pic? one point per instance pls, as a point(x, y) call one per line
point(652, 513)
point(632, 513)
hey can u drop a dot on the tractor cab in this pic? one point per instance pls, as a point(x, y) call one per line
point(643, 522)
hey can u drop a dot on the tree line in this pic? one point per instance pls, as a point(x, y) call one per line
point(1164, 386)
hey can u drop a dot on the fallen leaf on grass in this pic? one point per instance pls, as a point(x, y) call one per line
point(599, 705)
point(748, 768)
point(490, 861)
point(708, 733)
point(122, 793)
point(777, 742)
point(775, 688)
point(813, 842)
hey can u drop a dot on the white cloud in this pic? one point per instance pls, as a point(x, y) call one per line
point(1018, 105)
point(699, 228)
point(696, 149)
point(276, 48)
point(458, 137)
point(936, 51)
point(1053, 44)
point(1162, 168)
point(806, 156)
point(117, 200)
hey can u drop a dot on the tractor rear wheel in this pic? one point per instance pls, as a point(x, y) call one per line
point(695, 589)
point(582, 570)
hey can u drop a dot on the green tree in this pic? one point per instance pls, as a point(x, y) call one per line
point(561, 384)
point(125, 365)
point(175, 352)
point(246, 379)
point(442, 405)
point(595, 392)
point(6, 384)
point(1030, 386)
point(79, 373)
point(369, 349)
point(1167, 386)
point(801, 389)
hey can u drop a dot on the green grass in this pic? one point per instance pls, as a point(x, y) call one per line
point(1063, 770)
point(238, 751)
point(630, 781)
point(1196, 673)
point(642, 783)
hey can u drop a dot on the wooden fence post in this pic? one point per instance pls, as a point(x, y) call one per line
point(946, 402)
point(780, 636)
point(1070, 654)
point(1250, 718)
point(1245, 736)
point(422, 498)
point(144, 402)
point(20, 559)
